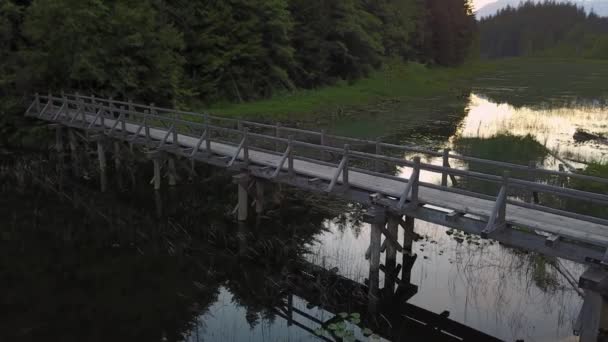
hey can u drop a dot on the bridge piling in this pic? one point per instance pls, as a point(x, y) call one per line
point(391, 254)
point(59, 139)
point(157, 176)
point(101, 155)
point(259, 197)
point(172, 171)
point(408, 256)
point(376, 217)
point(117, 161)
point(243, 197)
point(73, 143)
point(592, 323)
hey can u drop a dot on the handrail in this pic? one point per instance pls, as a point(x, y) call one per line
point(349, 139)
point(101, 107)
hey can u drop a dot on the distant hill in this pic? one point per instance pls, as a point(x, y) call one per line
point(600, 7)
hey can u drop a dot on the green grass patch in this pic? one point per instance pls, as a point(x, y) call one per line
point(395, 81)
point(503, 147)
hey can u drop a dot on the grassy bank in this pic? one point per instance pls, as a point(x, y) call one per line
point(396, 81)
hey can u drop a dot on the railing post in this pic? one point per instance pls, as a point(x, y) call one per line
point(152, 109)
point(291, 171)
point(147, 128)
point(50, 101)
point(123, 124)
point(502, 212)
point(239, 125)
point(416, 180)
point(446, 164)
point(175, 135)
point(65, 103)
point(378, 152)
point(535, 197)
point(246, 146)
point(37, 100)
point(93, 105)
point(277, 134)
point(345, 169)
point(323, 142)
point(208, 137)
point(111, 107)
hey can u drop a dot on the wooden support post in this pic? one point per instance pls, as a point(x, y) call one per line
point(291, 172)
point(592, 323)
point(37, 101)
point(59, 139)
point(502, 213)
point(290, 309)
point(208, 137)
point(259, 196)
point(323, 142)
point(157, 176)
point(345, 180)
point(376, 217)
point(123, 123)
point(534, 193)
point(101, 155)
point(146, 126)
point(408, 255)
point(377, 163)
point(416, 182)
point(74, 152)
point(172, 171)
point(246, 146)
point(446, 164)
point(242, 181)
point(277, 133)
point(498, 217)
point(391, 254)
point(117, 161)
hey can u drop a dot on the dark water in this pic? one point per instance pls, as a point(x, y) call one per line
point(130, 264)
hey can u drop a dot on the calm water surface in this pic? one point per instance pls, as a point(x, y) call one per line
point(77, 264)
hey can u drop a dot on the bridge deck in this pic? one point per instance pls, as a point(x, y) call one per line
point(518, 216)
point(569, 228)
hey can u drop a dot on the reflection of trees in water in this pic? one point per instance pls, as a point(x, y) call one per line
point(79, 265)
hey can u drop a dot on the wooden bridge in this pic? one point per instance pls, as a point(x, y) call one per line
point(346, 168)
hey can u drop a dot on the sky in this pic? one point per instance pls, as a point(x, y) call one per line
point(480, 3)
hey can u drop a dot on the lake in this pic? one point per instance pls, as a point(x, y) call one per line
point(130, 264)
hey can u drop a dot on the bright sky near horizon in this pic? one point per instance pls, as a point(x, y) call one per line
point(480, 3)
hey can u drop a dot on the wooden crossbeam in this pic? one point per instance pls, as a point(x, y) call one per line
point(199, 143)
point(339, 171)
point(496, 220)
point(238, 151)
point(282, 162)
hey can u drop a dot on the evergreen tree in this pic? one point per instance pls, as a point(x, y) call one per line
point(566, 31)
point(112, 48)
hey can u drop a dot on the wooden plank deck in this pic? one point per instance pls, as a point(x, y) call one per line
point(570, 228)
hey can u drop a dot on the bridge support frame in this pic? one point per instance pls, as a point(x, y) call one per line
point(592, 323)
point(376, 217)
point(101, 156)
point(242, 180)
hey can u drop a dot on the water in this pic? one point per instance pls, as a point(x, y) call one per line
point(77, 264)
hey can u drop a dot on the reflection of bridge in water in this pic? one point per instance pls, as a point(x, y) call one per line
point(263, 156)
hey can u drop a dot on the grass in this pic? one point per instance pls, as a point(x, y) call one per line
point(395, 81)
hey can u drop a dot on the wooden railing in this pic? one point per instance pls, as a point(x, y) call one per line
point(318, 147)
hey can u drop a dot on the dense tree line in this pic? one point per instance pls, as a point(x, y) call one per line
point(548, 28)
point(212, 50)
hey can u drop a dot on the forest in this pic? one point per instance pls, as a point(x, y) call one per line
point(174, 52)
point(549, 29)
